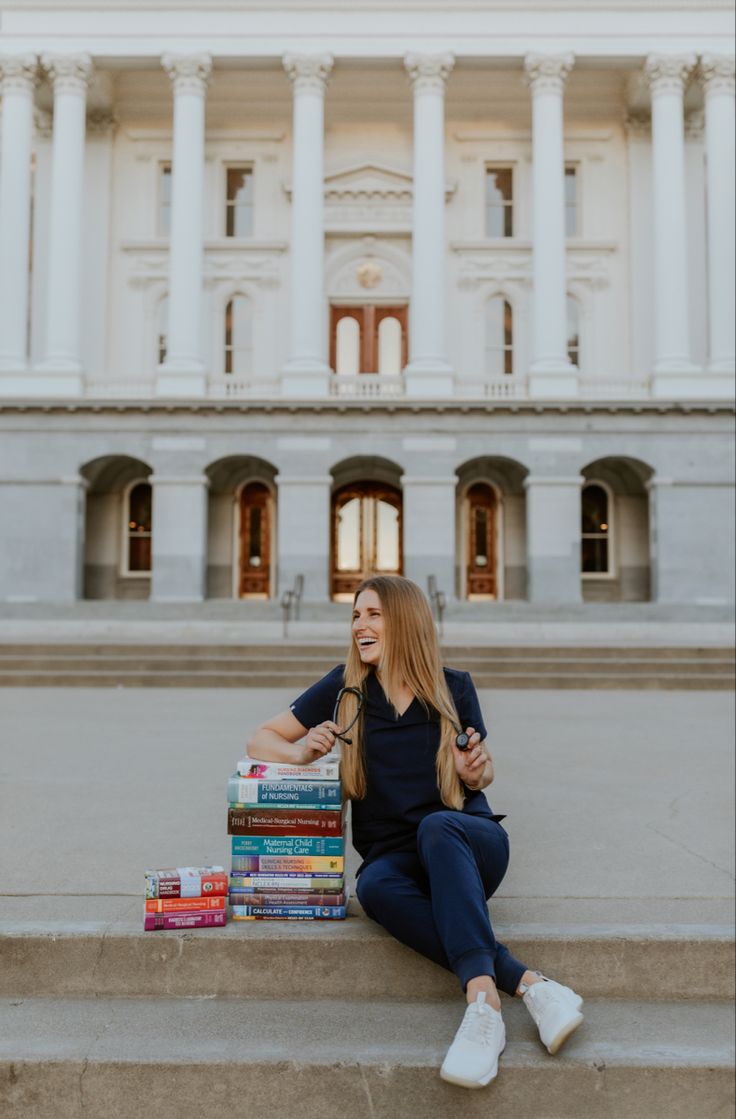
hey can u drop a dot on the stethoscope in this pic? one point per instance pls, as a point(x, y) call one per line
point(462, 740)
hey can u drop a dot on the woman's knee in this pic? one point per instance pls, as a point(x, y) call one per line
point(436, 827)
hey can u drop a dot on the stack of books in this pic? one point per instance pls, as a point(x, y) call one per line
point(287, 829)
point(185, 897)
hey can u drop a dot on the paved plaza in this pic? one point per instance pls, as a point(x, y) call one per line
point(620, 804)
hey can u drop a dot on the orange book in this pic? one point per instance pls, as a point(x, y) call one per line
point(184, 905)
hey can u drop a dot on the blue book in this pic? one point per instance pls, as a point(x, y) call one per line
point(289, 845)
point(287, 912)
point(247, 790)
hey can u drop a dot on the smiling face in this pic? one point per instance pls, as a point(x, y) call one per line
point(368, 628)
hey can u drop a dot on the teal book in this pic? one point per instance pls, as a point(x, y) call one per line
point(289, 845)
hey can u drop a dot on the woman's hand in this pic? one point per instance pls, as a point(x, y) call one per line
point(319, 741)
point(474, 766)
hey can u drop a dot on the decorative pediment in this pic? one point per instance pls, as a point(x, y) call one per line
point(366, 196)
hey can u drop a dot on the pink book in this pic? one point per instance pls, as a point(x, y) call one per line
point(153, 921)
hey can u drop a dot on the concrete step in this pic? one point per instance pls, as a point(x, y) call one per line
point(303, 959)
point(328, 1058)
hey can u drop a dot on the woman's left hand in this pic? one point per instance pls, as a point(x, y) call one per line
point(471, 763)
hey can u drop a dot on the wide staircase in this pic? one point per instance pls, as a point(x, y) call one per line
point(289, 664)
point(312, 1020)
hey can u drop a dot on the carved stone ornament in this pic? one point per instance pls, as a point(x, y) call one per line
point(695, 125)
point(638, 123)
point(667, 73)
point(428, 72)
point(189, 73)
point(18, 73)
point(101, 122)
point(717, 72)
point(68, 73)
point(547, 73)
point(308, 71)
point(369, 274)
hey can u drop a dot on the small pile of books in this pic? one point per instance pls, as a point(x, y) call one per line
point(185, 897)
point(287, 828)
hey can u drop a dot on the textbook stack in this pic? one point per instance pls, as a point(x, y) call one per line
point(287, 826)
point(185, 897)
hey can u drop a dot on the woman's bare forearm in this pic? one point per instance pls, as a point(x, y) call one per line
point(269, 746)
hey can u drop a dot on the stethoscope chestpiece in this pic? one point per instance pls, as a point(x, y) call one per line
point(462, 741)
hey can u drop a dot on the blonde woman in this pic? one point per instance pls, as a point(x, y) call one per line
point(432, 850)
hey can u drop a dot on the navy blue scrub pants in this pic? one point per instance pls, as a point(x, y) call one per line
point(435, 900)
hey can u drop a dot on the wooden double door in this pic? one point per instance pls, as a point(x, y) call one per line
point(256, 517)
point(371, 352)
point(481, 504)
point(366, 535)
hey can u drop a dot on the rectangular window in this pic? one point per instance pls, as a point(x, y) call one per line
point(239, 202)
point(164, 199)
point(499, 202)
point(571, 201)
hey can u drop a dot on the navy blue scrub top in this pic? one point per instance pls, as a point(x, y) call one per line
point(400, 760)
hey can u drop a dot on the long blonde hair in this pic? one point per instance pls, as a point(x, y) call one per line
point(411, 656)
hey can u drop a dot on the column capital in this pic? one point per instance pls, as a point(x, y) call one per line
point(428, 72)
point(189, 73)
point(308, 72)
point(69, 73)
point(667, 73)
point(18, 73)
point(547, 73)
point(717, 73)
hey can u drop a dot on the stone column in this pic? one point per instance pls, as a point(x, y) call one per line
point(70, 76)
point(674, 371)
point(718, 82)
point(304, 533)
point(307, 373)
point(553, 535)
point(429, 530)
point(183, 372)
point(550, 372)
point(428, 372)
point(17, 82)
point(179, 537)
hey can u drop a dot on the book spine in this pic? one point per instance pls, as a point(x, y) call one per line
point(285, 821)
point(312, 864)
point(287, 881)
point(289, 912)
point(248, 791)
point(186, 887)
point(287, 845)
point(284, 897)
point(152, 921)
point(275, 771)
point(185, 905)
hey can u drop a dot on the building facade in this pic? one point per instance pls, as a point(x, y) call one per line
point(317, 289)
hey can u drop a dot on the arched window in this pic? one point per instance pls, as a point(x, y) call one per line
point(347, 346)
point(366, 535)
point(499, 337)
point(389, 346)
point(573, 331)
point(162, 329)
point(138, 529)
point(596, 530)
point(238, 337)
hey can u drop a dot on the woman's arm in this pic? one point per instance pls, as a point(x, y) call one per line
point(475, 765)
point(278, 740)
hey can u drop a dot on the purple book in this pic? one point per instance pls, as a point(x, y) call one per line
point(153, 921)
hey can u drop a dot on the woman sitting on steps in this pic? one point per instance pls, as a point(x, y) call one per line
point(432, 851)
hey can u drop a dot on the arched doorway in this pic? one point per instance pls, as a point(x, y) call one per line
point(256, 513)
point(366, 535)
point(481, 545)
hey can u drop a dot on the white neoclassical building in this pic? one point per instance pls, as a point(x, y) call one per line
point(291, 287)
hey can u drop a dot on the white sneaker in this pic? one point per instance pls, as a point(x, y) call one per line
point(472, 1059)
point(555, 1009)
